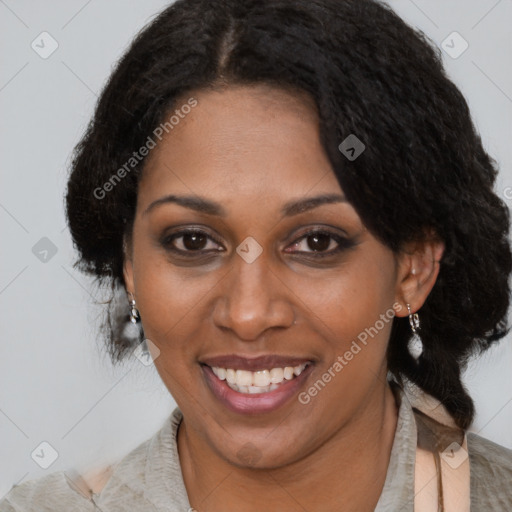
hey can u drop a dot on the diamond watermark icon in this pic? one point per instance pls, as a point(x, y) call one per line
point(351, 147)
point(249, 249)
point(44, 455)
point(146, 352)
point(44, 250)
point(454, 45)
point(44, 45)
point(454, 455)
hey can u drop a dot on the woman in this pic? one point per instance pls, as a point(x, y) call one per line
point(292, 196)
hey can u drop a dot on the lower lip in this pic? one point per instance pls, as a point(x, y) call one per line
point(256, 403)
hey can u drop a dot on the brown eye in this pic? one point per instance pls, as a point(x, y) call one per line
point(317, 241)
point(190, 241)
point(194, 241)
point(321, 243)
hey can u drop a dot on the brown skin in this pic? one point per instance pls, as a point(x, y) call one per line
point(252, 149)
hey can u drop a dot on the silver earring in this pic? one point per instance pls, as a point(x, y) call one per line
point(414, 320)
point(134, 312)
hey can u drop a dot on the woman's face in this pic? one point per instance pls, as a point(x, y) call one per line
point(249, 289)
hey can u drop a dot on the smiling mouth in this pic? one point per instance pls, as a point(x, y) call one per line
point(260, 381)
point(255, 385)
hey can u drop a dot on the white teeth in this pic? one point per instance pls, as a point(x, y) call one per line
point(288, 373)
point(257, 389)
point(230, 376)
point(243, 378)
point(276, 375)
point(261, 378)
point(261, 381)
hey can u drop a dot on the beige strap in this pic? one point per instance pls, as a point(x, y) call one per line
point(442, 474)
point(454, 493)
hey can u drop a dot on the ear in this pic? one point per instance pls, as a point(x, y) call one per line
point(128, 267)
point(418, 268)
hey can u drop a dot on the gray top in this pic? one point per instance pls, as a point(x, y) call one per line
point(149, 478)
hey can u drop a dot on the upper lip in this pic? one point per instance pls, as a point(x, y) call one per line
point(264, 362)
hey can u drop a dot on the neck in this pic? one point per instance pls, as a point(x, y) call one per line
point(353, 462)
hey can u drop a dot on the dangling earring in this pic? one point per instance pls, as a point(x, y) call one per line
point(134, 312)
point(414, 320)
point(415, 344)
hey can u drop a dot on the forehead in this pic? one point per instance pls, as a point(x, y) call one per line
point(243, 140)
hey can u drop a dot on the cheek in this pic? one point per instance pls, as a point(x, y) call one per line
point(170, 303)
point(355, 296)
point(167, 296)
point(355, 315)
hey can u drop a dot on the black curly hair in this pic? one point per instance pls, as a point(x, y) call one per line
point(369, 73)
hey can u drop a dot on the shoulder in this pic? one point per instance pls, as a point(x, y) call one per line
point(491, 474)
point(69, 490)
point(485, 454)
point(48, 493)
point(124, 481)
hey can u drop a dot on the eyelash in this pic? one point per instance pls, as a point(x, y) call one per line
point(343, 243)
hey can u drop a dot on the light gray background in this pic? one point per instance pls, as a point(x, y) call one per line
point(55, 386)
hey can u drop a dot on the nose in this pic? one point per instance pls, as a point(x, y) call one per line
point(253, 299)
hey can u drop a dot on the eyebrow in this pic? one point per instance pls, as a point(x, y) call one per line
point(203, 205)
